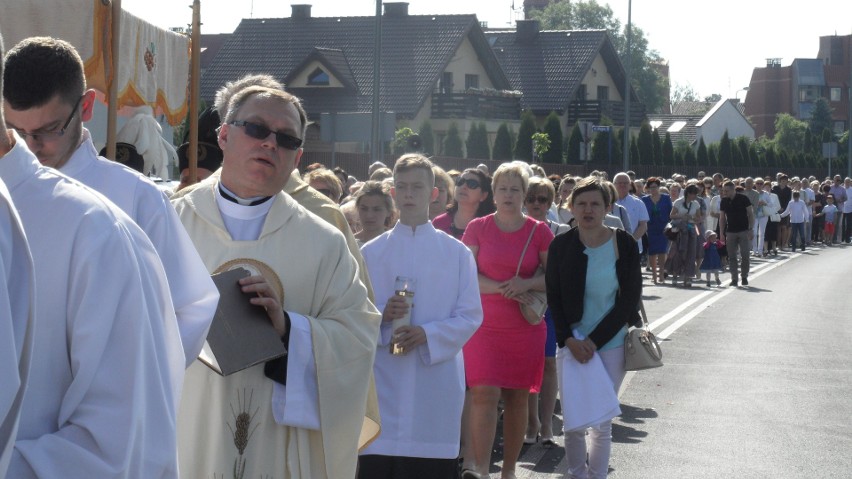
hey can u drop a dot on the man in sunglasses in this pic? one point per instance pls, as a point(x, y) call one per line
point(46, 102)
point(306, 411)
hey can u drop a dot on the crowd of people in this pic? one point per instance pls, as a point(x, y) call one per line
point(106, 296)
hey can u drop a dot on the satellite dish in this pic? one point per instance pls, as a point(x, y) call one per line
point(415, 143)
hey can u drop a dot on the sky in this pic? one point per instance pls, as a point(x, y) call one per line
point(711, 46)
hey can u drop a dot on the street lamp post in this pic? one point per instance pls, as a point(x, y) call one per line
point(627, 88)
point(737, 94)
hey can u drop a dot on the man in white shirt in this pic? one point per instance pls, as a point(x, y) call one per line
point(17, 307)
point(107, 362)
point(305, 415)
point(421, 392)
point(637, 213)
point(45, 90)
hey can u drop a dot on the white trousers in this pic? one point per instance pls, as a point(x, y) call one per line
point(600, 436)
point(759, 234)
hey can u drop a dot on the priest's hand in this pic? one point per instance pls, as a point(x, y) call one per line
point(268, 298)
point(395, 308)
point(409, 337)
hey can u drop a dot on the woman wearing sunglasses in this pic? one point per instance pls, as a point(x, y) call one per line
point(540, 195)
point(472, 199)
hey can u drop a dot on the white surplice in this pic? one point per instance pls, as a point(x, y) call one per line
point(194, 295)
point(107, 359)
point(237, 420)
point(421, 393)
point(17, 306)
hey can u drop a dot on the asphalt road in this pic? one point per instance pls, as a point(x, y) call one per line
point(757, 381)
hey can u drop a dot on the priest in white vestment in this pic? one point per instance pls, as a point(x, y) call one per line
point(44, 76)
point(421, 392)
point(304, 416)
point(17, 306)
point(107, 360)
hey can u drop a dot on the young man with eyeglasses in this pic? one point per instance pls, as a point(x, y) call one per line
point(46, 102)
point(307, 412)
point(107, 362)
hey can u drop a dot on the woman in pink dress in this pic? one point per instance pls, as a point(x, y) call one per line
point(504, 356)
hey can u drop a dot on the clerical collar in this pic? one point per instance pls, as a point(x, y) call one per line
point(230, 196)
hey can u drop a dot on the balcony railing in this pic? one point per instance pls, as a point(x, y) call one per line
point(593, 110)
point(494, 105)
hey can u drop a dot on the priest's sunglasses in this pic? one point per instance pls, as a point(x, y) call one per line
point(53, 134)
point(260, 132)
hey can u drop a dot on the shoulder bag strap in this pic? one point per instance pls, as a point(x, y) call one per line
point(524, 252)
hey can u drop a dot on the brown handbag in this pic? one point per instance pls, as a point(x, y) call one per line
point(534, 312)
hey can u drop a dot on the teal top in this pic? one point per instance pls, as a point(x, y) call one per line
point(601, 289)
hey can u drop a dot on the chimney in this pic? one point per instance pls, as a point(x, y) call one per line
point(301, 11)
point(527, 30)
point(396, 9)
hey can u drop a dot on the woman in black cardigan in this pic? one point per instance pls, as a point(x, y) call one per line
point(594, 320)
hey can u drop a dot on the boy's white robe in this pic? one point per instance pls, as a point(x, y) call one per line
point(421, 393)
point(17, 307)
point(320, 282)
point(107, 360)
point(194, 295)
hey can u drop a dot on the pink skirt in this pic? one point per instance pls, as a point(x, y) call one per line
point(506, 351)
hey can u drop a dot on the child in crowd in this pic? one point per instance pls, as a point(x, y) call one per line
point(712, 262)
point(829, 211)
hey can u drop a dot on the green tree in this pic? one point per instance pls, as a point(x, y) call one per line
point(427, 137)
point(657, 143)
point(703, 157)
point(574, 142)
point(713, 155)
point(600, 148)
point(821, 116)
point(502, 144)
point(668, 150)
point(771, 157)
point(726, 155)
point(524, 145)
point(743, 144)
point(689, 158)
point(453, 146)
point(634, 151)
point(477, 142)
point(650, 87)
point(541, 144)
point(754, 157)
point(789, 133)
point(645, 143)
point(400, 142)
point(554, 131)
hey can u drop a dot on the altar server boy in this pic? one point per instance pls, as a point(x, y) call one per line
point(421, 392)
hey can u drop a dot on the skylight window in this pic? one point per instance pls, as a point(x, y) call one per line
point(677, 126)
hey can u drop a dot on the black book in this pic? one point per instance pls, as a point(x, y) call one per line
point(241, 334)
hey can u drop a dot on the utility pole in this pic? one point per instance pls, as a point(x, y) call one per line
point(849, 123)
point(375, 142)
point(627, 88)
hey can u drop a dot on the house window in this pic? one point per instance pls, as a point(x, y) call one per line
point(835, 94)
point(318, 78)
point(471, 81)
point(446, 85)
point(839, 127)
point(603, 93)
point(581, 92)
point(808, 93)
